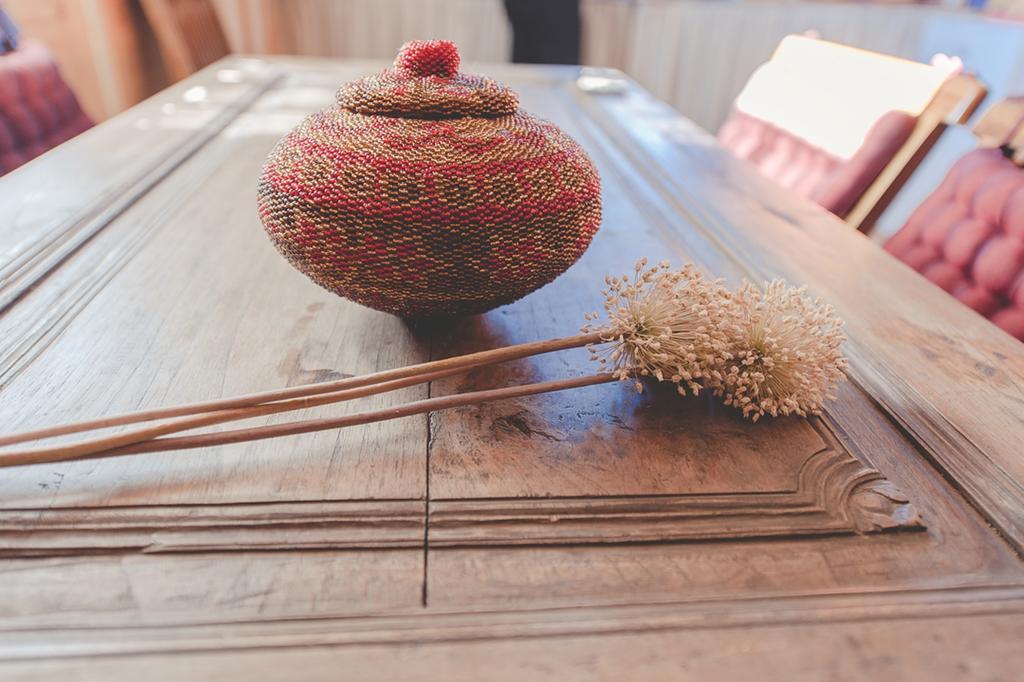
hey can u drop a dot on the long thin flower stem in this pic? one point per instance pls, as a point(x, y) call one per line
point(459, 363)
point(87, 447)
point(294, 428)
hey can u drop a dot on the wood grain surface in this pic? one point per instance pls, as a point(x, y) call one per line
point(592, 534)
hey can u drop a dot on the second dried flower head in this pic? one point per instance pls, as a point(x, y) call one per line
point(767, 351)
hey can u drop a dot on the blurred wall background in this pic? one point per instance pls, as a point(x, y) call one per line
point(105, 49)
point(694, 54)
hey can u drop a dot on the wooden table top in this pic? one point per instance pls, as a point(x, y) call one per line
point(586, 534)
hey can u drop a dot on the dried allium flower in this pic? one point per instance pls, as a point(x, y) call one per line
point(782, 352)
point(661, 323)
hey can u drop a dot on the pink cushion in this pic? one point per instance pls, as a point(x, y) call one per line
point(812, 172)
point(968, 237)
point(38, 110)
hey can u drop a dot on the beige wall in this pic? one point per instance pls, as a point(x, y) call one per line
point(103, 48)
point(695, 55)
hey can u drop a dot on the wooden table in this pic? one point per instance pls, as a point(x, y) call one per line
point(593, 534)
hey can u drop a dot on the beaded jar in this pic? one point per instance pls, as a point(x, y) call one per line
point(425, 191)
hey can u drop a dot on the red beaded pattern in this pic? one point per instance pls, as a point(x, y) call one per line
point(429, 58)
point(422, 216)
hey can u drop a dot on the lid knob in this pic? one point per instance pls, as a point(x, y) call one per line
point(425, 82)
point(429, 58)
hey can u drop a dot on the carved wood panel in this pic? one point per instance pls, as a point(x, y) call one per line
point(819, 487)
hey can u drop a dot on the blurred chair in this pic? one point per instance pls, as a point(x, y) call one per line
point(842, 126)
point(968, 236)
point(38, 110)
point(189, 33)
point(1001, 123)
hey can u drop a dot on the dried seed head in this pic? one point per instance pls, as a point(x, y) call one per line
point(782, 352)
point(662, 323)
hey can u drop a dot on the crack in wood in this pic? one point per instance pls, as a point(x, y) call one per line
point(835, 493)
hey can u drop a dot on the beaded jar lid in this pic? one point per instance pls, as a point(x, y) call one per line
point(425, 191)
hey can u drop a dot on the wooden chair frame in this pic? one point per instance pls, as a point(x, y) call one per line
point(186, 48)
point(954, 103)
point(1002, 123)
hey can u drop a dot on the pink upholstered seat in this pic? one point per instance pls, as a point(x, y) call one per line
point(38, 110)
point(968, 237)
point(812, 172)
